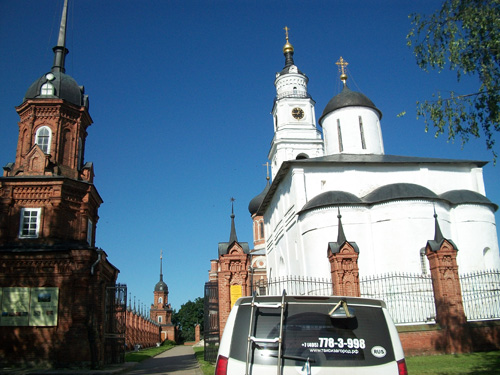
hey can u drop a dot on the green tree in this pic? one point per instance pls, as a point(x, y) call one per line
point(466, 35)
point(190, 314)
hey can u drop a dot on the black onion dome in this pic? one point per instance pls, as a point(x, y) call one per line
point(331, 198)
point(456, 197)
point(348, 98)
point(161, 286)
point(65, 87)
point(255, 203)
point(399, 191)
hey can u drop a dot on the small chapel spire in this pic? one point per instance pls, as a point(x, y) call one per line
point(342, 64)
point(161, 265)
point(232, 236)
point(341, 235)
point(288, 49)
point(60, 50)
point(438, 235)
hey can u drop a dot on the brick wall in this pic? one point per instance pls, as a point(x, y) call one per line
point(434, 339)
point(79, 336)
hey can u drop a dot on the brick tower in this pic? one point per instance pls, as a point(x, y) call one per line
point(161, 311)
point(51, 273)
point(232, 276)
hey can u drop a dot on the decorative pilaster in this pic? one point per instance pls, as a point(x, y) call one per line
point(442, 256)
point(343, 258)
point(345, 271)
point(446, 284)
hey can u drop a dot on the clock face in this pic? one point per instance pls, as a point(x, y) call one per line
point(298, 113)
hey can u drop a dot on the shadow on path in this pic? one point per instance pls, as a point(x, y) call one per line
point(179, 360)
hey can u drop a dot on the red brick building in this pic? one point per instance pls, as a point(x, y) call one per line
point(53, 280)
point(161, 311)
point(237, 272)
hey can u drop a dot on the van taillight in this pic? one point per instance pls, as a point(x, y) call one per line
point(401, 367)
point(221, 367)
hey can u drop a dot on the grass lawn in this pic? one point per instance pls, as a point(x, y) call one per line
point(146, 353)
point(207, 367)
point(487, 363)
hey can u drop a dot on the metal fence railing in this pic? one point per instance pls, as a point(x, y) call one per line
point(296, 286)
point(409, 297)
point(481, 294)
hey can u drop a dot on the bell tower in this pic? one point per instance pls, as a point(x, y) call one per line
point(48, 216)
point(161, 311)
point(47, 195)
point(295, 132)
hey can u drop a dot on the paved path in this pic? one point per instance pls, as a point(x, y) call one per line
point(179, 360)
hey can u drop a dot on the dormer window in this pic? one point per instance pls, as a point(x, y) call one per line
point(47, 89)
point(43, 137)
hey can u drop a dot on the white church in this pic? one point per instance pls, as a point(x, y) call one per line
point(388, 204)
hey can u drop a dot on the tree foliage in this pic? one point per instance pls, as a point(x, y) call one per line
point(465, 34)
point(190, 314)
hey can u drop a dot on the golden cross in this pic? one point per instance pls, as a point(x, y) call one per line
point(286, 32)
point(342, 64)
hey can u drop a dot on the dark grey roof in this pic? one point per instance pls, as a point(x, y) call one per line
point(466, 196)
point(224, 246)
point(348, 98)
point(286, 70)
point(385, 159)
point(65, 87)
point(255, 203)
point(399, 191)
point(334, 247)
point(340, 160)
point(288, 52)
point(161, 286)
point(332, 198)
point(439, 239)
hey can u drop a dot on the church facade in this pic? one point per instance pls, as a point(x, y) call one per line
point(387, 203)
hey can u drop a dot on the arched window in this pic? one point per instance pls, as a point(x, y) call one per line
point(43, 137)
point(301, 156)
point(160, 319)
point(80, 153)
point(160, 300)
point(47, 89)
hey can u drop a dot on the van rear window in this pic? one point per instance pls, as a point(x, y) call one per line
point(309, 332)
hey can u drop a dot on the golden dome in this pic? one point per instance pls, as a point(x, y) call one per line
point(287, 47)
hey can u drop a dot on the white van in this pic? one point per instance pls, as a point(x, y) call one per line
point(310, 335)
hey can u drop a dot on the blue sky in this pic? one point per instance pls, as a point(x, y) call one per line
point(181, 93)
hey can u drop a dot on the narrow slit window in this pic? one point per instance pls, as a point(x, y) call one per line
point(90, 231)
point(362, 133)
point(423, 262)
point(339, 132)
